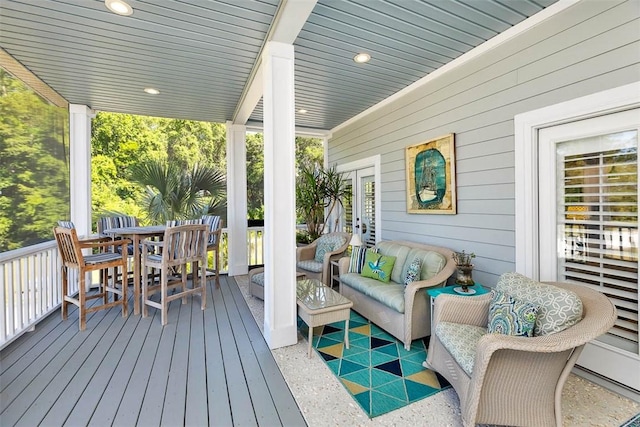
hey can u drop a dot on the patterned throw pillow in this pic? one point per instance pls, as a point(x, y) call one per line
point(378, 267)
point(413, 271)
point(322, 247)
point(357, 258)
point(510, 316)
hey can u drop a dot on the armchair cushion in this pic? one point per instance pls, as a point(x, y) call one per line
point(378, 267)
point(460, 341)
point(327, 243)
point(558, 309)
point(310, 265)
point(510, 316)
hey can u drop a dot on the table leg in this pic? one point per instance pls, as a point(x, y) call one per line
point(310, 341)
point(346, 333)
point(137, 274)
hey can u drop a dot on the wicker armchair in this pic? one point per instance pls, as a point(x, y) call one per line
point(308, 262)
point(515, 380)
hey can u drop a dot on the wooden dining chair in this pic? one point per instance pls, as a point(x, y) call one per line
point(70, 249)
point(213, 244)
point(182, 245)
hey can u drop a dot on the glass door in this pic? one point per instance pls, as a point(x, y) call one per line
point(588, 185)
point(359, 207)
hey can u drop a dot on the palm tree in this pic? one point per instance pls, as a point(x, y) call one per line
point(174, 193)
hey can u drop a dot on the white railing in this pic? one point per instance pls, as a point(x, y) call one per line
point(29, 281)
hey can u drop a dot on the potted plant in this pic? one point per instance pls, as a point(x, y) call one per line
point(318, 189)
point(464, 268)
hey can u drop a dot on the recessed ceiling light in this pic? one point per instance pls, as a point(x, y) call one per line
point(361, 58)
point(119, 7)
point(302, 111)
point(151, 90)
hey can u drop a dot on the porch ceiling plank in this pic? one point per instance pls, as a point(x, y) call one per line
point(204, 56)
point(40, 394)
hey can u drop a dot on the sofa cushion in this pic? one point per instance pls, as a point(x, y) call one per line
point(511, 316)
point(558, 308)
point(432, 262)
point(461, 342)
point(327, 243)
point(389, 294)
point(398, 251)
point(378, 266)
point(357, 258)
point(413, 271)
point(310, 265)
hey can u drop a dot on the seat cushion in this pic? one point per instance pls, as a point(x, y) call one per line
point(558, 309)
point(258, 279)
point(461, 342)
point(100, 258)
point(310, 265)
point(400, 253)
point(389, 294)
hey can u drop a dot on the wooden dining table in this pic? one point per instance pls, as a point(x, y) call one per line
point(136, 234)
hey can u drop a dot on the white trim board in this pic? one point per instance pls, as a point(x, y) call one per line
point(496, 41)
point(527, 126)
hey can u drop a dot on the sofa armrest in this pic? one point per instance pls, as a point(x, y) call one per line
point(307, 252)
point(343, 265)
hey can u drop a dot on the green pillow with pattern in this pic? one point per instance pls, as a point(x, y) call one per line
point(378, 266)
point(510, 316)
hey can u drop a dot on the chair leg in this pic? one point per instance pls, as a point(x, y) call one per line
point(217, 260)
point(202, 281)
point(183, 279)
point(104, 284)
point(64, 311)
point(163, 295)
point(82, 310)
point(125, 286)
point(145, 290)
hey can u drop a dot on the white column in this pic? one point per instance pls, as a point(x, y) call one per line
point(80, 164)
point(279, 195)
point(237, 199)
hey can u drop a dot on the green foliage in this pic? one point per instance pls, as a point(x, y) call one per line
point(172, 192)
point(34, 178)
point(316, 190)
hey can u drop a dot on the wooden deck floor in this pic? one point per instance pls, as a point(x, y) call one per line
point(209, 367)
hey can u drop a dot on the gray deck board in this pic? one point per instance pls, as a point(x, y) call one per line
point(208, 367)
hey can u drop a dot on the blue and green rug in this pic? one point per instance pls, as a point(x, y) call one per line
point(376, 369)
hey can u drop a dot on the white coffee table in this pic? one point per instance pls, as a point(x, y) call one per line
point(319, 305)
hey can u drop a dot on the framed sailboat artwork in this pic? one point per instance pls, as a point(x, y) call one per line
point(431, 176)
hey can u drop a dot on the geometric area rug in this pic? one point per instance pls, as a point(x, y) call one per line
point(376, 369)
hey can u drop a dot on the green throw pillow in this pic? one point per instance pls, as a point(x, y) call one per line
point(378, 267)
point(510, 316)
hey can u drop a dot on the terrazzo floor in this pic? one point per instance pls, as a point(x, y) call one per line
point(324, 402)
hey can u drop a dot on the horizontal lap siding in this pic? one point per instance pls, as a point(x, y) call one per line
point(590, 47)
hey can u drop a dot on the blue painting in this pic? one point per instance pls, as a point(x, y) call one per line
point(430, 177)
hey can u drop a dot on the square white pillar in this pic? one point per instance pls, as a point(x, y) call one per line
point(280, 327)
point(237, 199)
point(80, 165)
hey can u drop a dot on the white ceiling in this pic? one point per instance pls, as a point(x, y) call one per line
point(201, 54)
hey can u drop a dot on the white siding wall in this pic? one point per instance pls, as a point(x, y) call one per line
point(589, 47)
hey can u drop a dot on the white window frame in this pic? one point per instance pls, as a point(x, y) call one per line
point(527, 126)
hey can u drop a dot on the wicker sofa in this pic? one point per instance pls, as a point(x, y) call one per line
point(515, 380)
point(403, 311)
